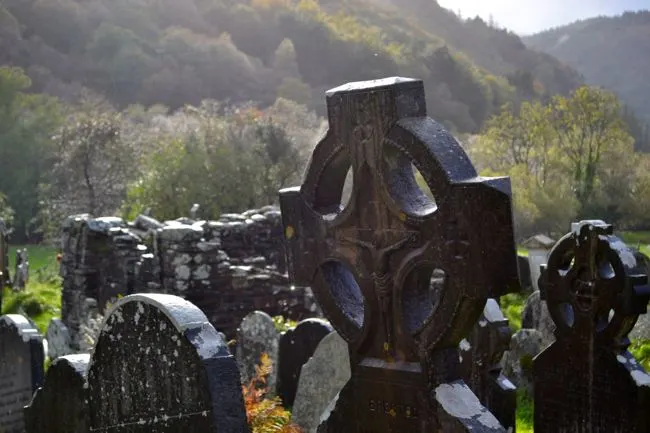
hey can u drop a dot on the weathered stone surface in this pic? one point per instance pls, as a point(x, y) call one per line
point(535, 315)
point(321, 379)
point(586, 381)
point(160, 366)
point(257, 335)
point(518, 360)
point(21, 369)
point(59, 406)
point(641, 330)
point(59, 340)
point(107, 257)
point(296, 347)
point(371, 261)
point(99, 256)
point(480, 356)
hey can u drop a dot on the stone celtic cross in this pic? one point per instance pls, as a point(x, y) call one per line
point(586, 381)
point(371, 262)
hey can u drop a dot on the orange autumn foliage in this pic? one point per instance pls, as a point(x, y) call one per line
point(265, 415)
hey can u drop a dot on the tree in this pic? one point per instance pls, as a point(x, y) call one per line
point(285, 64)
point(26, 124)
point(570, 159)
point(93, 164)
point(587, 127)
point(226, 158)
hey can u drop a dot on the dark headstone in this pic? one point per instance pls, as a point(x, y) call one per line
point(21, 369)
point(371, 261)
point(256, 336)
point(481, 354)
point(159, 366)
point(586, 381)
point(296, 347)
point(60, 405)
point(524, 273)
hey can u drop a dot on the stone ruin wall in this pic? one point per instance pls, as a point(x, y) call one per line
point(227, 267)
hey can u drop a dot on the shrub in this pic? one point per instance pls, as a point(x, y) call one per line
point(265, 414)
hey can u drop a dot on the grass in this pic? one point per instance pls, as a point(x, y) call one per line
point(41, 299)
point(637, 239)
point(524, 412)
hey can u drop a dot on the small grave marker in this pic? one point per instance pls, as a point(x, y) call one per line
point(160, 366)
point(257, 335)
point(59, 339)
point(296, 347)
point(586, 381)
point(21, 369)
point(370, 261)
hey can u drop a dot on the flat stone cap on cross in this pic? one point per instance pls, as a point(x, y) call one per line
point(371, 261)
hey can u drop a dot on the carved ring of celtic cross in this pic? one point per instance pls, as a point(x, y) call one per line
point(593, 285)
point(370, 262)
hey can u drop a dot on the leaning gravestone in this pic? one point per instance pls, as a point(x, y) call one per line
point(59, 340)
point(370, 262)
point(321, 379)
point(256, 336)
point(21, 369)
point(296, 347)
point(586, 381)
point(60, 405)
point(481, 353)
point(160, 366)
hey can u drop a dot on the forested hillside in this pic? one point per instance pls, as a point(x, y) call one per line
point(174, 52)
point(613, 52)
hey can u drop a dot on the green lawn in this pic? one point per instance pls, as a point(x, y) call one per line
point(637, 239)
point(41, 299)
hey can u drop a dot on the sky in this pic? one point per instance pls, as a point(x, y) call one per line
point(530, 16)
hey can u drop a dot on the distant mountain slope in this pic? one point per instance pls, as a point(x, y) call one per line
point(497, 50)
point(177, 52)
point(613, 52)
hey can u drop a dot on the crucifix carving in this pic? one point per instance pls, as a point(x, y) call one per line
point(371, 262)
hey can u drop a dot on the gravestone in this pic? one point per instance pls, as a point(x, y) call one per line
point(321, 379)
point(535, 315)
point(371, 261)
point(59, 406)
point(586, 381)
point(21, 369)
point(58, 338)
point(481, 353)
point(21, 277)
point(256, 336)
point(160, 366)
point(296, 347)
point(5, 280)
point(525, 278)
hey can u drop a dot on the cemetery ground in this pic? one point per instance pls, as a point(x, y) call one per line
point(41, 301)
